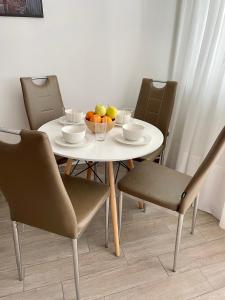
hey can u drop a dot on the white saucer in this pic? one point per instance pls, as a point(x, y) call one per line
point(61, 142)
point(62, 120)
point(144, 140)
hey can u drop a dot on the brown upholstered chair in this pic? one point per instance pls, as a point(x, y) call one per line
point(155, 106)
point(43, 199)
point(168, 188)
point(43, 103)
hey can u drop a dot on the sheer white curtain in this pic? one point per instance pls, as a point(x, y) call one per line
point(199, 113)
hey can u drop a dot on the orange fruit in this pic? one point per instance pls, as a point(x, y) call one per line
point(96, 118)
point(106, 119)
point(89, 114)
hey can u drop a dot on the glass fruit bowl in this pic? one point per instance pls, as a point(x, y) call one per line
point(91, 125)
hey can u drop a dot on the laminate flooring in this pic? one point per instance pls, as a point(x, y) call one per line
point(142, 272)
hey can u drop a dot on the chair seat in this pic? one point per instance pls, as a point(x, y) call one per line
point(152, 156)
point(156, 184)
point(86, 197)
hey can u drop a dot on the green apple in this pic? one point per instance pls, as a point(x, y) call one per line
point(100, 110)
point(112, 112)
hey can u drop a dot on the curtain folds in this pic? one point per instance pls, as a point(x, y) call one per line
point(199, 113)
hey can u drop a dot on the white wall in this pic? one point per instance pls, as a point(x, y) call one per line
point(99, 49)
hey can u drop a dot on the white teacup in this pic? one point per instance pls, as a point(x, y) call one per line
point(123, 116)
point(73, 134)
point(133, 132)
point(75, 116)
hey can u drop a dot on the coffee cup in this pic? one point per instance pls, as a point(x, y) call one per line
point(73, 116)
point(123, 116)
point(133, 132)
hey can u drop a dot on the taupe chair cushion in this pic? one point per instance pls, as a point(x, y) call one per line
point(155, 183)
point(167, 187)
point(86, 196)
point(37, 196)
point(155, 106)
point(43, 103)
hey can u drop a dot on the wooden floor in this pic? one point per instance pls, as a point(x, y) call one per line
point(142, 272)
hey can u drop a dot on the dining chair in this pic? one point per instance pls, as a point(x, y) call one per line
point(168, 188)
point(43, 103)
point(155, 106)
point(63, 205)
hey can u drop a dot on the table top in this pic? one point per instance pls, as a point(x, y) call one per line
point(108, 150)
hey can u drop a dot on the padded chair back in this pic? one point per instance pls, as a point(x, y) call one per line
point(197, 180)
point(155, 105)
point(43, 103)
point(32, 185)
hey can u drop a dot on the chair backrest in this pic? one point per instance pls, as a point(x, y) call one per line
point(43, 103)
point(32, 185)
point(197, 180)
point(155, 105)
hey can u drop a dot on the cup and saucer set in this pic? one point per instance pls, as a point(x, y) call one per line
point(73, 133)
point(132, 132)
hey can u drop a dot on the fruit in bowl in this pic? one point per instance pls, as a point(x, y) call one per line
point(101, 115)
point(96, 119)
point(112, 112)
point(100, 110)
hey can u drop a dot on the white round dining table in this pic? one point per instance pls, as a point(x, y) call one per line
point(109, 150)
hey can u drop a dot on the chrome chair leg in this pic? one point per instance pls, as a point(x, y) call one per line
point(17, 250)
point(107, 223)
point(178, 238)
point(76, 268)
point(195, 210)
point(120, 212)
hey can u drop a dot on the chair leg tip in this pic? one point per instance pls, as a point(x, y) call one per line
point(21, 277)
